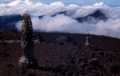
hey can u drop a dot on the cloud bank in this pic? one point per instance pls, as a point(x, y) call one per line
point(65, 22)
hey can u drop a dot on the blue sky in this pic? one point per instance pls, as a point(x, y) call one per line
point(79, 2)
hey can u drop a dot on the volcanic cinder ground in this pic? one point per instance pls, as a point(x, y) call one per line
point(62, 54)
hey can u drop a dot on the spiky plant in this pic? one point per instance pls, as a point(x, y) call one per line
point(28, 59)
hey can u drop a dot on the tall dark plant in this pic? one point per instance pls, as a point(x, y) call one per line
point(28, 59)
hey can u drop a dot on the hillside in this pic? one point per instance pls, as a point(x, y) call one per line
point(61, 54)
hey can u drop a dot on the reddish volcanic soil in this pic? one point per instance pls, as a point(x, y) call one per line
point(61, 54)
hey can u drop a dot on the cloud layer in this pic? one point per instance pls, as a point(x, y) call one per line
point(66, 22)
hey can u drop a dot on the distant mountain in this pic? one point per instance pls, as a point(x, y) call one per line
point(8, 22)
point(63, 12)
point(98, 15)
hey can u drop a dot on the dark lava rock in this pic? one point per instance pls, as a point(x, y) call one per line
point(31, 74)
point(94, 61)
point(64, 60)
point(10, 65)
point(4, 54)
point(41, 39)
point(62, 40)
point(115, 69)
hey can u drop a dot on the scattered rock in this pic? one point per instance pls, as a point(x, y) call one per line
point(41, 39)
point(115, 69)
point(10, 65)
point(94, 61)
point(4, 54)
point(62, 40)
point(27, 63)
point(31, 74)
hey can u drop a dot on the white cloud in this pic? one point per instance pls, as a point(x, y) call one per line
point(63, 23)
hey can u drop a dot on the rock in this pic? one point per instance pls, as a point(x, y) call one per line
point(41, 39)
point(23, 61)
point(62, 40)
point(10, 65)
point(31, 74)
point(28, 63)
point(115, 69)
point(94, 61)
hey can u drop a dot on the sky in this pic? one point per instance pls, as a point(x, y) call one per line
point(78, 2)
